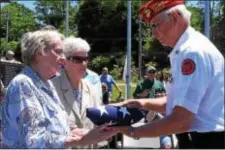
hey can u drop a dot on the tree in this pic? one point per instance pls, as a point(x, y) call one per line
point(53, 13)
point(103, 24)
point(218, 30)
point(20, 21)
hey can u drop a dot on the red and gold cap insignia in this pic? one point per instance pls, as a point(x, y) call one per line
point(154, 7)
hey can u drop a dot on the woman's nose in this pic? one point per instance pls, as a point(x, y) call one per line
point(62, 60)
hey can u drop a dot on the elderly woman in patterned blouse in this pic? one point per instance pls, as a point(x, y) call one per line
point(76, 94)
point(32, 114)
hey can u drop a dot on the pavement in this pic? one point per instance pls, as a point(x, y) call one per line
point(140, 143)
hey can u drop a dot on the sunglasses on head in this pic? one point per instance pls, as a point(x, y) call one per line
point(77, 59)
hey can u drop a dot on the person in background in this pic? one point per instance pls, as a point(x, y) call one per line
point(32, 115)
point(94, 79)
point(105, 96)
point(152, 88)
point(106, 78)
point(160, 76)
point(157, 76)
point(10, 57)
point(195, 99)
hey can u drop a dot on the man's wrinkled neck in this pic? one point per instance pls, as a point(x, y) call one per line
point(180, 31)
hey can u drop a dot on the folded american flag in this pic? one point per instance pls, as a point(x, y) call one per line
point(115, 116)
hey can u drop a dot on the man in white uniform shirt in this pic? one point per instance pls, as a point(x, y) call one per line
point(195, 101)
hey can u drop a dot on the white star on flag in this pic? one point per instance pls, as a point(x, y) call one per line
point(132, 121)
point(124, 111)
point(102, 110)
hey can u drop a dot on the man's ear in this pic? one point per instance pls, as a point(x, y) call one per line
point(174, 16)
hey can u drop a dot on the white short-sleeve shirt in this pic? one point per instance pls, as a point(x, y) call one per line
point(197, 69)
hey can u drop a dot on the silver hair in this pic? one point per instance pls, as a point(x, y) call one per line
point(37, 41)
point(181, 9)
point(72, 45)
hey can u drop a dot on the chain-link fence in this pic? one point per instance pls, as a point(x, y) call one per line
point(8, 71)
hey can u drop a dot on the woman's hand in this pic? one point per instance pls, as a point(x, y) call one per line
point(79, 132)
point(97, 134)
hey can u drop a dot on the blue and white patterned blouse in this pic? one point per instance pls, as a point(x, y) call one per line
point(32, 116)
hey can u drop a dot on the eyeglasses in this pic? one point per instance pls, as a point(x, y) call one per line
point(77, 59)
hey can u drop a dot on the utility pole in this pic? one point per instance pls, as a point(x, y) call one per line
point(140, 47)
point(7, 29)
point(207, 19)
point(67, 17)
point(128, 75)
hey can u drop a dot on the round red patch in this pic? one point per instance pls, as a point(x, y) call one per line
point(188, 66)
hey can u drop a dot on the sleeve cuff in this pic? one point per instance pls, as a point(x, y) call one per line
point(192, 107)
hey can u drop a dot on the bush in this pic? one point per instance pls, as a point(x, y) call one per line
point(98, 63)
point(116, 72)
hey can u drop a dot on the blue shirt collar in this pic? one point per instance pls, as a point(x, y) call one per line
point(36, 79)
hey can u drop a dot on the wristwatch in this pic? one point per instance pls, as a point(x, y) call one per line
point(131, 132)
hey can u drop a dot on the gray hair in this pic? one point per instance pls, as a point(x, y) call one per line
point(72, 45)
point(38, 41)
point(181, 9)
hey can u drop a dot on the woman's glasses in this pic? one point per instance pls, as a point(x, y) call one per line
point(77, 59)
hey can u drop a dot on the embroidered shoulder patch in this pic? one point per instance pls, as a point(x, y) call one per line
point(188, 66)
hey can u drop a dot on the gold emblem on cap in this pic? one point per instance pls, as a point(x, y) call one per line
point(147, 13)
point(160, 6)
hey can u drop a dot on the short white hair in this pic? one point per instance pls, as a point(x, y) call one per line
point(37, 41)
point(181, 9)
point(72, 45)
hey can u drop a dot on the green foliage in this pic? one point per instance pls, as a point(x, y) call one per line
point(118, 68)
point(50, 12)
point(115, 92)
point(98, 63)
point(21, 20)
point(197, 18)
point(3, 45)
point(151, 63)
point(103, 24)
point(218, 30)
point(134, 73)
point(12, 45)
point(53, 13)
point(116, 72)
